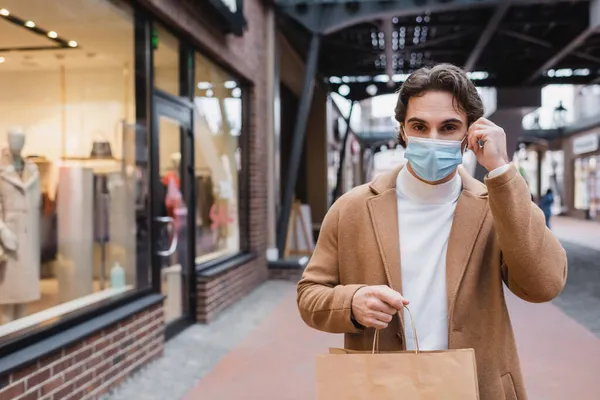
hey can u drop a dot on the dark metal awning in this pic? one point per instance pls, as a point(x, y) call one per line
point(371, 46)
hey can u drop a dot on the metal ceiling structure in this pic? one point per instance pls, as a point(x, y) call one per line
point(364, 48)
point(502, 43)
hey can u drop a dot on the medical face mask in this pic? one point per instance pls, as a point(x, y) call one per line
point(432, 159)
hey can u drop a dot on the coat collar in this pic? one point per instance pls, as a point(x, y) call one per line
point(468, 218)
point(29, 176)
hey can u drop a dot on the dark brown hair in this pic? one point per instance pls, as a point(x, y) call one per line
point(445, 78)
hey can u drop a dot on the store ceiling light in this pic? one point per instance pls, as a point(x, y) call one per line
point(2, 59)
point(204, 85)
point(344, 90)
point(27, 23)
point(230, 84)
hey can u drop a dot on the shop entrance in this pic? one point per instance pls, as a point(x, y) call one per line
point(173, 173)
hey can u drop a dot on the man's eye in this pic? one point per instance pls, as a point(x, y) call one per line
point(418, 127)
point(450, 128)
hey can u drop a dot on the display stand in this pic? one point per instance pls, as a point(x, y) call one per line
point(300, 240)
point(75, 232)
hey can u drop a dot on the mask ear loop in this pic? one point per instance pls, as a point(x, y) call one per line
point(466, 144)
point(405, 138)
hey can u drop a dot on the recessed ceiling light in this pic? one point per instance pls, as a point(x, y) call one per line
point(52, 34)
point(4, 12)
point(2, 59)
point(73, 43)
point(30, 24)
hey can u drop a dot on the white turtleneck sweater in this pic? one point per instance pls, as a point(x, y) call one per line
point(425, 214)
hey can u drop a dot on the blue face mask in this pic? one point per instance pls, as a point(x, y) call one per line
point(431, 159)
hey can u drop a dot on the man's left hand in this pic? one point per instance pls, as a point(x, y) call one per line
point(488, 141)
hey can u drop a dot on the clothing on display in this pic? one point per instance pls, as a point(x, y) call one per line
point(20, 211)
point(101, 221)
point(101, 206)
point(205, 200)
point(48, 219)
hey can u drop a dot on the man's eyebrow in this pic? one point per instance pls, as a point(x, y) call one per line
point(448, 121)
point(452, 120)
point(415, 119)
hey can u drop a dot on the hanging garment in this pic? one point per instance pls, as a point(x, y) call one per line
point(205, 200)
point(101, 209)
point(20, 212)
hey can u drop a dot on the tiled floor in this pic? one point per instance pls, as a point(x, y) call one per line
point(197, 350)
point(260, 349)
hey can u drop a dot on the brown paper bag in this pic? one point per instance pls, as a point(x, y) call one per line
point(416, 375)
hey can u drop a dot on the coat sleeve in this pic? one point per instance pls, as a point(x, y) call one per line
point(533, 262)
point(323, 302)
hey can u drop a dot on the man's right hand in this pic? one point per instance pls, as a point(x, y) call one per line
point(374, 306)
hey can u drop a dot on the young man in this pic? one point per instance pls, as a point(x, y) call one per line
point(432, 235)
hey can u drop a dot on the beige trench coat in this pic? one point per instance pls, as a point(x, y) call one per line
point(498, 237)
point(20, 208)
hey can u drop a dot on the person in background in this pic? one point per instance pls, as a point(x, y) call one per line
point(546, 202)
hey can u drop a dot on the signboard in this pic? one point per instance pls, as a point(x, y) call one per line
point(586, 143)
point(232, 13)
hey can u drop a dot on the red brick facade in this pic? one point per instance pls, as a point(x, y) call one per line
point(245, 56)
point(286, 274)
point(216, 294)
point(90, 368)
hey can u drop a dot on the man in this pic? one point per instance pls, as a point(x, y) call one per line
point(431, 235)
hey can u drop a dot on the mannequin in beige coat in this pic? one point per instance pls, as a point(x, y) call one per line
point(19, 230)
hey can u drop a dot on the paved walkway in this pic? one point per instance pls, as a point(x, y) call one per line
point(260, 349)
point(582, 232)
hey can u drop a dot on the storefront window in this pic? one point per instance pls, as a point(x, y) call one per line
point(166, 60)
point(217, 130)
point(587, 184)
point(70, 184)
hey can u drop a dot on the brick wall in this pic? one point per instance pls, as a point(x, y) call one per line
point(93, 366)
point(246, 57)
point(217, 293)
point(286, 274)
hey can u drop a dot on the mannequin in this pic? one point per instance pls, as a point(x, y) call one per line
point(20, 202)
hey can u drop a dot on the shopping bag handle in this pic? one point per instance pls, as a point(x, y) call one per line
point(414, 329)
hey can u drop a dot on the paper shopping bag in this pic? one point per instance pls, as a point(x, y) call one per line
point(415, 375)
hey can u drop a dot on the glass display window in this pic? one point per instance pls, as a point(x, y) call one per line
point(73, 207)
point(587, 184)
point(218, 160)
